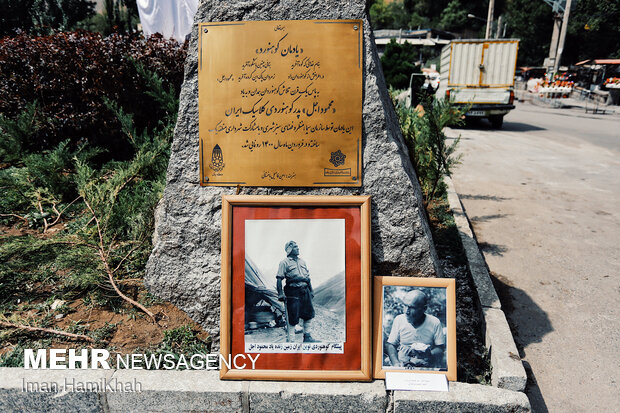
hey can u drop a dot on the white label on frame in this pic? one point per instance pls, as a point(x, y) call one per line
point(308, 348)
point(415, 381)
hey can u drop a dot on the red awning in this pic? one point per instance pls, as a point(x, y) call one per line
point(607, 61)
point(599, 62)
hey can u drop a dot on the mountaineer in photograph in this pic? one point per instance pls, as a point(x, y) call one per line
point(281, 288)
point(297, 293)
point(417, 339)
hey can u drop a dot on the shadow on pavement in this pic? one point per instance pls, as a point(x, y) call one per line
point(493, 249)
point(520, 127)
point(484, 124)
point(486, 218)
point(483, 197)
point(529, 324)
point(532, 391)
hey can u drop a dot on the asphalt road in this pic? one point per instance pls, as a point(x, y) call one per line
point(543, 196)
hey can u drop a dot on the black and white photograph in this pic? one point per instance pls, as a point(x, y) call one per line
point(414, 328)
point(295, 285)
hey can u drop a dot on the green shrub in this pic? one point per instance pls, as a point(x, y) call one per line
point(108, 221)
point(71, 74)
point(398, 65)
point(183, 340)
point(42, 16)
point(16, 135)
point(431, 154)
point(41, 187)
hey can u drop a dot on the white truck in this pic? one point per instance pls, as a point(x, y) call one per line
point(480, 74)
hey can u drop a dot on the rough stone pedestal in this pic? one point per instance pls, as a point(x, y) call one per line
point(184, 266)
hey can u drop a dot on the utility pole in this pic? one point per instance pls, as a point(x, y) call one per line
point(558, 55)
point(499, 27)
point(557, 24)
point(487, 35)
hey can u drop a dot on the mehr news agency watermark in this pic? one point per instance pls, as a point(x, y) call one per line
point(63, 359)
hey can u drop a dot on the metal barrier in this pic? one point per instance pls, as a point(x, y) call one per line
point(593, 100)
point(554, 100)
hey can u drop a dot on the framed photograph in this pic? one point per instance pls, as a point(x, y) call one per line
point(415, 325)
point(295, 291)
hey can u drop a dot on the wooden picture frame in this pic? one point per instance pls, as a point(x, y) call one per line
point(414, 348)
point(333, 235)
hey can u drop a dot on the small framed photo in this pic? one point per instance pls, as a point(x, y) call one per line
point(415, 325)
point(295, 290)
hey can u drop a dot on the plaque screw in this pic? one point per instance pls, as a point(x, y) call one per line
point(205, 30)
point(355, 27)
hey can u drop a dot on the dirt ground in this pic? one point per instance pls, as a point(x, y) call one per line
point(130, 332)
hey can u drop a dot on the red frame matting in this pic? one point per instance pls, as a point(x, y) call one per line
point(351, 359)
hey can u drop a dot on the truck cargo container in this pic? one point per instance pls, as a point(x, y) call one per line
point(480, 74)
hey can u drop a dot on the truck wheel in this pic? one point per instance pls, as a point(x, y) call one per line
point(496, 121)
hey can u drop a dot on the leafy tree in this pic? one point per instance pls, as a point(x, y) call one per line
point(388, 16)
point(398, 65)
point(419, 22)
point(431, 155)
point(593, 31)
point(379, 15)
point(121, 16)
point(454, 17)
point(43, 16)
point(118, 16)
point(412, 14)
point(532, 23)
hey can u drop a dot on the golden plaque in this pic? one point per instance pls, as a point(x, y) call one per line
point(280, 103)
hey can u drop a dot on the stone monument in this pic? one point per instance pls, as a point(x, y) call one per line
point(184, 267)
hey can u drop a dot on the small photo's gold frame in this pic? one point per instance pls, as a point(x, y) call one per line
point(444, 303)
point(354, 363)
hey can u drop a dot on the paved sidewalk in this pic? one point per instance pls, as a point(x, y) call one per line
point(543, 196)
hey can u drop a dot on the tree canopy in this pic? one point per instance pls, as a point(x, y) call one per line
point(43, 16)
point(532, 23)
point(398, 65)
point(592, 33)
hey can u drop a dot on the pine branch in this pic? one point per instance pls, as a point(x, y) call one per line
point(126, 256)
point(59, 214)
point(110, 272)
point(42, 214)
point(16, 216)
point(46, 330)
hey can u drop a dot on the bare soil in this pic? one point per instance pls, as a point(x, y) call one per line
point(473, 364)
point(130, 331)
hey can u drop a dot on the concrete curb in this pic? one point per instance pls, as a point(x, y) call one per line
point(508, 371)
point(177, 391)
point(462, 397)
point(190, 391)
point(477, 265)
